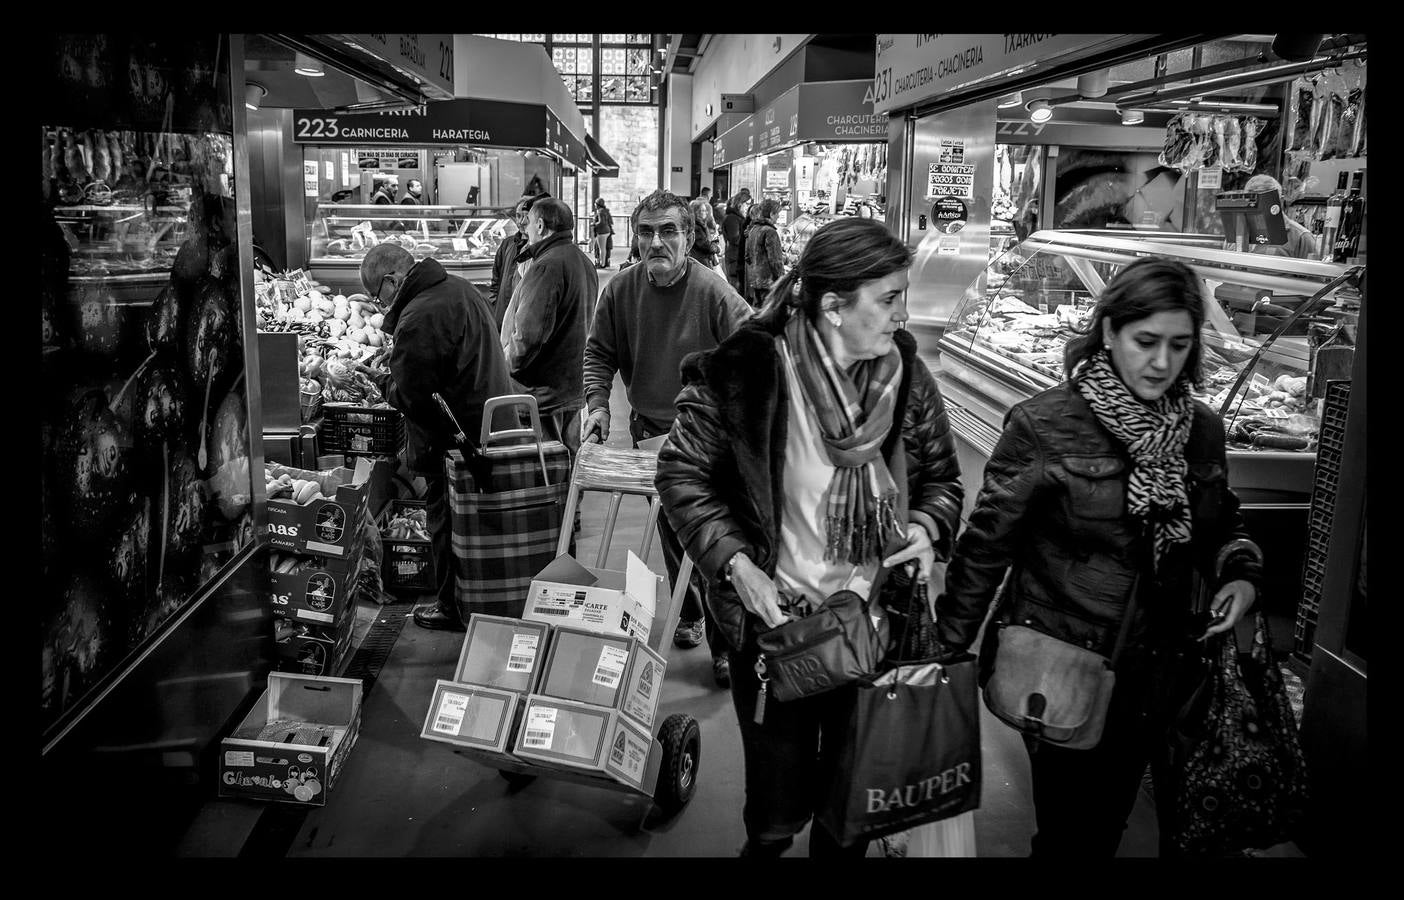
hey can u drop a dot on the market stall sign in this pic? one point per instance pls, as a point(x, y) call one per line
point(465, 121)
point(428, 57)
point(839, 111)
point(562, 142)
point(777, 124)
point(911, 68)
point(735, 144)
point(950, 179)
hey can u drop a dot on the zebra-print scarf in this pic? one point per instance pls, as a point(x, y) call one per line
point(1154, 435)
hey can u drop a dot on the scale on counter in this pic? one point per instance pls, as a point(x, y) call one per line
point(1251, 218)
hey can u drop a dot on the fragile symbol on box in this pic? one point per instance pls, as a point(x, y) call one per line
point(451, 711)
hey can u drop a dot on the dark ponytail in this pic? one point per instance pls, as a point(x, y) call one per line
point(840, 257)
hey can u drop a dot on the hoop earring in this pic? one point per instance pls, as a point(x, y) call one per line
point(834, 318)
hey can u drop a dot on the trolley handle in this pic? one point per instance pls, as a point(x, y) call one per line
point(507, 434)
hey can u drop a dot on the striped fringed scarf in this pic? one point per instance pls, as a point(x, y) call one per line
point(1154, 435)
point(855, 414)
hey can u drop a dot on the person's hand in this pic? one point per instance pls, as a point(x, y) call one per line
point(596, 423)
point(1230, 604)
point(919, 549)
point(757, 591)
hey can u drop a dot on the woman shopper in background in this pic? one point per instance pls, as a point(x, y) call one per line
point(810, 449)
point(704, 233)
point(1114, 482)
point(765, 261)
point(603, 227)
point(734, 230)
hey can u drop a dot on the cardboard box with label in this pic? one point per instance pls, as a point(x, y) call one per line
point(586, 737)
point(310, 591)
point(599, 600)
point(605, 670)
point(503, 653)
point(471, 715)
point(310, 649)
point(327, 527)
point(292, 745)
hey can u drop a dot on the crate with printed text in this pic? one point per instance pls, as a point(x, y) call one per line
point(408, 561)
point(305, 588)
point(323, 521)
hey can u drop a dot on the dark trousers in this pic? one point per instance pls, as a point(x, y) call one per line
point(440, 540)
point(759, 295)
point(563, 426)
point(785, 761)
point(1083, 798)
point(693, 605)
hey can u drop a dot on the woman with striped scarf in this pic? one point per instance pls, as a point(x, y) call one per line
point(811, 450)
point(1113, 484)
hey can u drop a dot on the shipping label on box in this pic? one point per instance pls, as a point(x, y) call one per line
point(564, 733)
point(584, 666)
point(643, 684)
point(567, 593)
point(293, 743)
point(503, 653)
point(471, 715)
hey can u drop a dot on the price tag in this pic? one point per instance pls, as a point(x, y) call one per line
point(610, 668)
point(460, 244)
point(540, 727)
point(523, 653)
point(452, 708)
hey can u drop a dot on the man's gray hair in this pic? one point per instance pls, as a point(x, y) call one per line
point(660, 201)
point(381, 260)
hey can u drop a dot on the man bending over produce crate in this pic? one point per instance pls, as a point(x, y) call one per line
point(446, 343)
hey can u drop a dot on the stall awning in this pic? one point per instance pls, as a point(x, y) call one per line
point(603, 164)
point(405, 68)
point(462, 122)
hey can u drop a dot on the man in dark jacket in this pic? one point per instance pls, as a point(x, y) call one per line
point(543, 332)
point(504, 264)
point(443, 343)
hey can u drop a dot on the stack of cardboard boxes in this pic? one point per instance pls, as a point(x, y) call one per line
point(317, 550)
point(571, 686)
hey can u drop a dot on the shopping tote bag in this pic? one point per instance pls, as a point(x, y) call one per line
point(911, 754)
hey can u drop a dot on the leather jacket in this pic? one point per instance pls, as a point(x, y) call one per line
point(1052, 513)
point(721, 472)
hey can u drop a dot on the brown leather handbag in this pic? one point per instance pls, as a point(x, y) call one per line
point(1051, 690)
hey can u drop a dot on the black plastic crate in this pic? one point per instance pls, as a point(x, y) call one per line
point(361, 430)
point(407, 564)
point(1325, 483)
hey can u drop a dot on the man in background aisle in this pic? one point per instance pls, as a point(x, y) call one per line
point(543, 331)
point(649, 317)
point(445, 344)
point(504, 264)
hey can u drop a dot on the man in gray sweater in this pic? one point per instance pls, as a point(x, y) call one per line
point(648, 318)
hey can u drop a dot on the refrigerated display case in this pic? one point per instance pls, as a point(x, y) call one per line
point(1265, 317)
point(463, 238)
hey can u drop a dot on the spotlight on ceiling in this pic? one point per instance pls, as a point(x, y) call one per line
point(1132, 117)
point(254, 94)
point(306, 65)
point(1040, 111)
point(1011, 100)
point(1093, 84)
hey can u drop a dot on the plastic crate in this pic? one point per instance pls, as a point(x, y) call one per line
point(407, 564)
point(361, 430)
point(1325, 483)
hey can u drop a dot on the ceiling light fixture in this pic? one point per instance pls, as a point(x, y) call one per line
point(1040, 111)
point(1092, 84)
point(306, 65)
point(254, 94)
point(1132, 117)
point(1011, 100)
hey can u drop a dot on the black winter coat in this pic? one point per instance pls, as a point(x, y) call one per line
point(504, 276)
point(734, 230)
point(1052, 511)
point(545, 343)
point(721, 472)
point(443, 341)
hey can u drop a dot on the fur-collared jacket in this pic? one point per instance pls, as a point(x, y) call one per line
point(721, 472)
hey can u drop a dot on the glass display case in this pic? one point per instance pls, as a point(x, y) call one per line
point(1269, 324)
point(463, 238)
point(122, 239)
